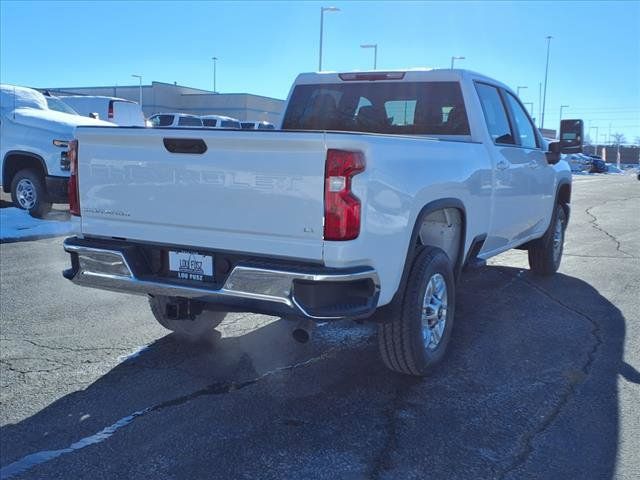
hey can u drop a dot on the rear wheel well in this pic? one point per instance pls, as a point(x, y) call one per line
point(16, 161)
point(443, 228)
point(440, 224)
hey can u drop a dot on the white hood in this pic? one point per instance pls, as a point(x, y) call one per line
point(28, 107)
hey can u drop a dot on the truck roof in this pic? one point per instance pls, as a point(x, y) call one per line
point(406, 75)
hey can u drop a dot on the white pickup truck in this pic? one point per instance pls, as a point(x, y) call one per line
point(33, 147)
point(367, 203)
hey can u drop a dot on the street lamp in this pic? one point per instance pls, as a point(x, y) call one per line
point(215, 61)
point(562, 107)
point(518, 91)
point(139, 77)
point(322, 10)
point(375, 53)
point(546, 74)
point(453, 59)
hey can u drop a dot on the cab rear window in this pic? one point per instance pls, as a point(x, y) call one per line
point(423, 108)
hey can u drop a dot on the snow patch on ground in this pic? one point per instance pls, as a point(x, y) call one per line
point(136, 353)
point(611, 168)
point(16, 224)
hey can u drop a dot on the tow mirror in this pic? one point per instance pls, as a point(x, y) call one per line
point(553, 155)
point(571, 136)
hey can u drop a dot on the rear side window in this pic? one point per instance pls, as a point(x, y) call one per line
point(161, 120)
point(495, 114)
point(209, 122)
point(247, 125)
point(385, 107)
point(266, 126)
point(189, 122)
point(526, 130)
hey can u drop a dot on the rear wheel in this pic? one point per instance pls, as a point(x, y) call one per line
point(416, 340)
point(29, 193)
point(545, 254)
point(199, 326)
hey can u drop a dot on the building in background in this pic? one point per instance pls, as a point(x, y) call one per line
point(167, 97)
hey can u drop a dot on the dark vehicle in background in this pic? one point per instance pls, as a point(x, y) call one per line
point(598, 165)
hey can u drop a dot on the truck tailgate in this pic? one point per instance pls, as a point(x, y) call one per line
point(250, 191)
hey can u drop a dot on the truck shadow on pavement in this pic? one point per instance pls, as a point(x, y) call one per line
point(528, 389)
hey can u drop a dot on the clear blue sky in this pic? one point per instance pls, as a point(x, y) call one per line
point(595, 53)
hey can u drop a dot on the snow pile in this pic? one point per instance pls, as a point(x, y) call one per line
point(16, 223)
point(611, 168)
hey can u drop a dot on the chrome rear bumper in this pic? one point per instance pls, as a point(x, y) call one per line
point(246, 288)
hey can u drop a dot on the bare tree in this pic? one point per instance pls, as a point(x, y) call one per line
point(618, 138)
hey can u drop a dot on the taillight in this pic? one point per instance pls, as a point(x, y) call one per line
point(110, 112)
point(74, 199)
point(341, 206)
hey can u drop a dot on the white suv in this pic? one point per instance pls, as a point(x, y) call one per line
point(175, 120)
point(220, 121)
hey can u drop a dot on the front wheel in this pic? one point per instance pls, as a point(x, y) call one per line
point(187, 328)
point(415, 341)
point(545, 254)
point(29, 193)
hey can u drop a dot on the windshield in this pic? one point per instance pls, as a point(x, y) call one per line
point(430, 108)
point(54, 103)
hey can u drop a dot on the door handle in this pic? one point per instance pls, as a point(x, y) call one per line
point(533, 164)
point(502, 165)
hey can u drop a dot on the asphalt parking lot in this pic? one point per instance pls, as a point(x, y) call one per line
point(541, 381)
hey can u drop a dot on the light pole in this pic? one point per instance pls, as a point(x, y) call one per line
point(215, 61)
point(518, 91)
point(139, 77)
point(453, 59)
point(375, 53)
point(539, 101)
point(595, 147)
point(530, 108)
point(322, 10)
point(562, 107)
point(546, 75)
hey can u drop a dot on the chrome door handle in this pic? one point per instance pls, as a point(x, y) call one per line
point(534, 164)
point(502, 165)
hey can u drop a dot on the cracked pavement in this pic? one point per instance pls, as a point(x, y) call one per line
point(541, 380)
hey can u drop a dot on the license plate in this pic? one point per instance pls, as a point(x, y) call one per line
point(191, 266)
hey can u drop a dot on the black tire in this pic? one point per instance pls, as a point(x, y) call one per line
point(190, 329)
point(28, 192)
point(401, 341)
point(545, 254)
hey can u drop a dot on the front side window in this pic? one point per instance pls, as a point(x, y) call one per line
point(495, 114)
point(386, 107)
point(526, 131)
point(209, 122)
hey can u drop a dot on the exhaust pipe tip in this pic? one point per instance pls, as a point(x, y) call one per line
point(301, 335)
